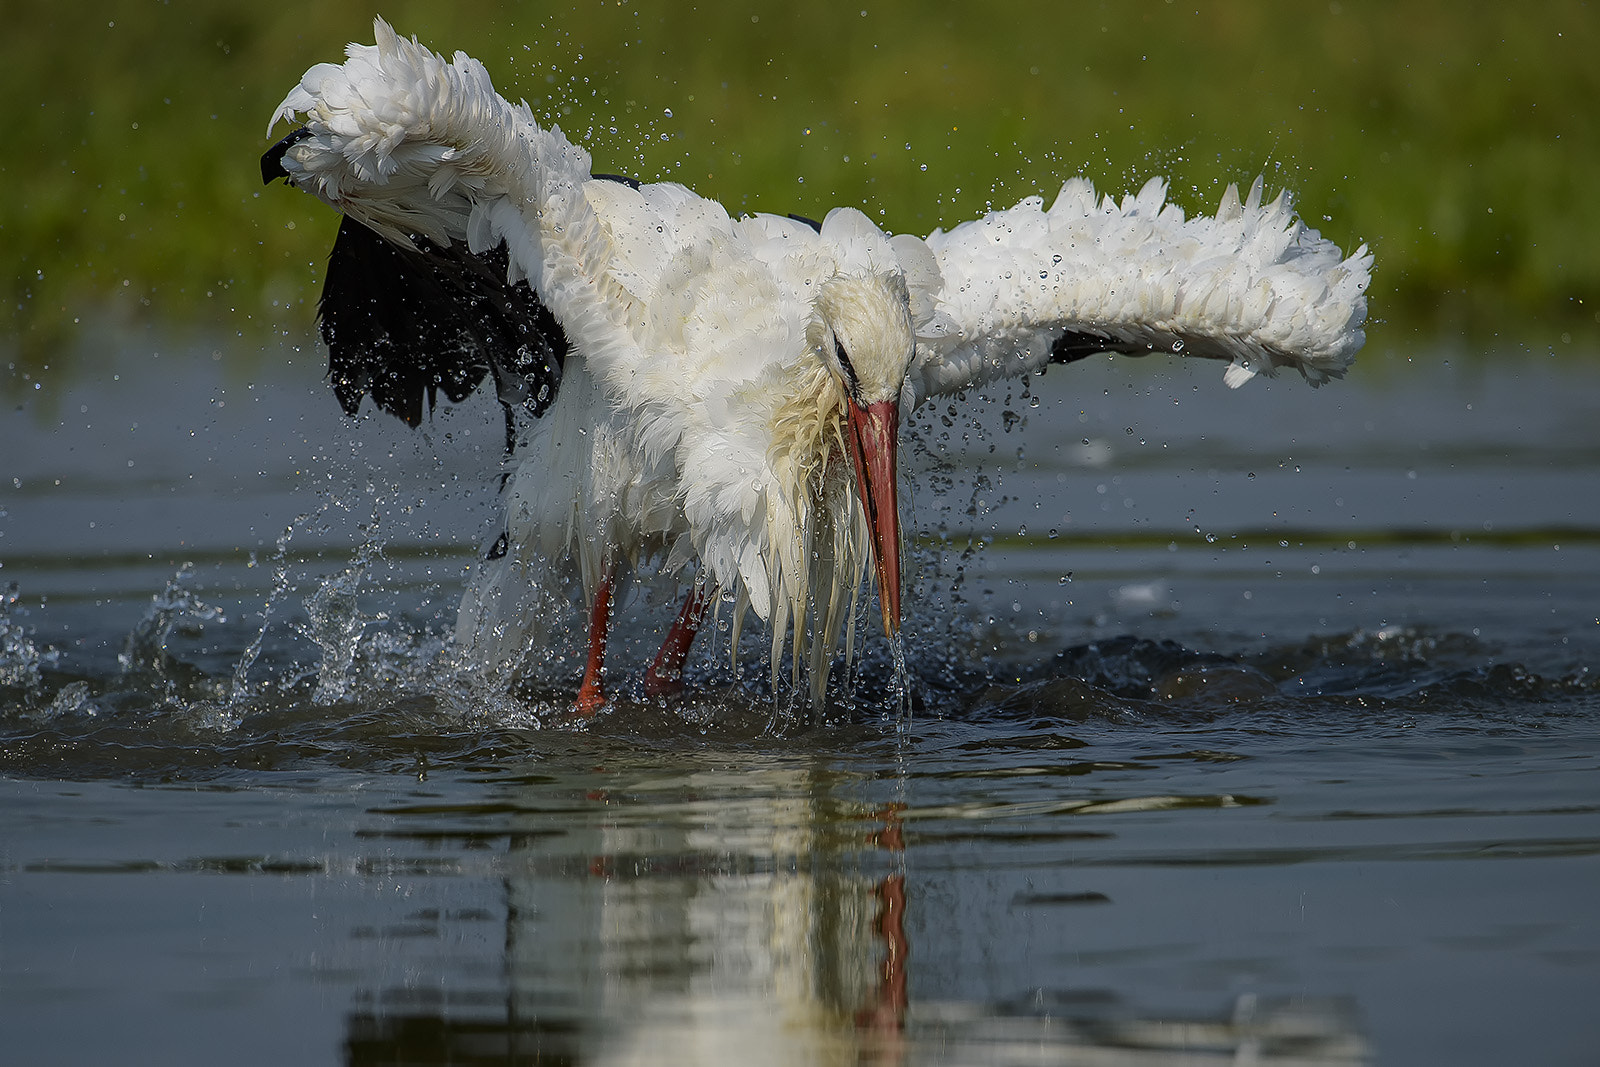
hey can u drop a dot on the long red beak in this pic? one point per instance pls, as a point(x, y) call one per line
point(874, 433)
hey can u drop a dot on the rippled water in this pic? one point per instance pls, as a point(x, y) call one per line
point(1255, 726)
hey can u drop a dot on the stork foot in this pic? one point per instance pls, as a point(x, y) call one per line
point(662, 681)
point(592, 695)
point(656, 687)
point(665, 676)
point(591, 698)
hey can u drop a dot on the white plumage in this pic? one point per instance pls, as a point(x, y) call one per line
point(732, 387)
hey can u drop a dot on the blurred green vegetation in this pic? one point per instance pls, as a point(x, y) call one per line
point(1456, 137)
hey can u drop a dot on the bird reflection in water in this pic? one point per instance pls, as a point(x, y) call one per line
point(883, 1019)
point(750, 915)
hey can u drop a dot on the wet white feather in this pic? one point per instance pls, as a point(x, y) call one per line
point(1251, 285)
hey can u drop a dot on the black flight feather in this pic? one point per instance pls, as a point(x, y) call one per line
point(404, 324)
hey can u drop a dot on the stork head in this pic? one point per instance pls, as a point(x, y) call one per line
point(863, 335)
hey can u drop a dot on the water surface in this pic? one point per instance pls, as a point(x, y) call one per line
point(1242, 724)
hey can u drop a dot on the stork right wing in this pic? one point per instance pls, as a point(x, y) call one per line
point(1020, 288)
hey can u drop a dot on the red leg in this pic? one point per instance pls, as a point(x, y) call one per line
point(591, 695)
point(666, 673)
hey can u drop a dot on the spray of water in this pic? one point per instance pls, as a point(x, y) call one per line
point(240, 692)
point(20, 658)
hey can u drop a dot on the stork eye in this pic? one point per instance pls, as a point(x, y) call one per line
point(846, 366)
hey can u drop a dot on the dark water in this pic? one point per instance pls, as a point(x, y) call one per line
point(1244, 727)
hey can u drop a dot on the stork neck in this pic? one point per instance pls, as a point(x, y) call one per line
point(808, 429)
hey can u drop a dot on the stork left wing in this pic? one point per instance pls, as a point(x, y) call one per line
point(406, 323)
point(1017, 289)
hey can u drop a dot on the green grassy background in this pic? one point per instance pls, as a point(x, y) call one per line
point(1457, 138)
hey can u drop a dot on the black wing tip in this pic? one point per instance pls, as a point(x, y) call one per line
point(406, 324)
point(1074, 345)
point(272, 159)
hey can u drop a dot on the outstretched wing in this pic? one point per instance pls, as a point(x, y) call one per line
point(1017, 289)
point(407, 321)
point(415, 151)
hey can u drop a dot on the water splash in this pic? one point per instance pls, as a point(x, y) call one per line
point(240, 690)
point(20, 658)
point(336, 625)
point(73, 699)
point(901, 685)
point(176, 608)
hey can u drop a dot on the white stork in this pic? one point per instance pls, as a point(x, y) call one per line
point(727, 391)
